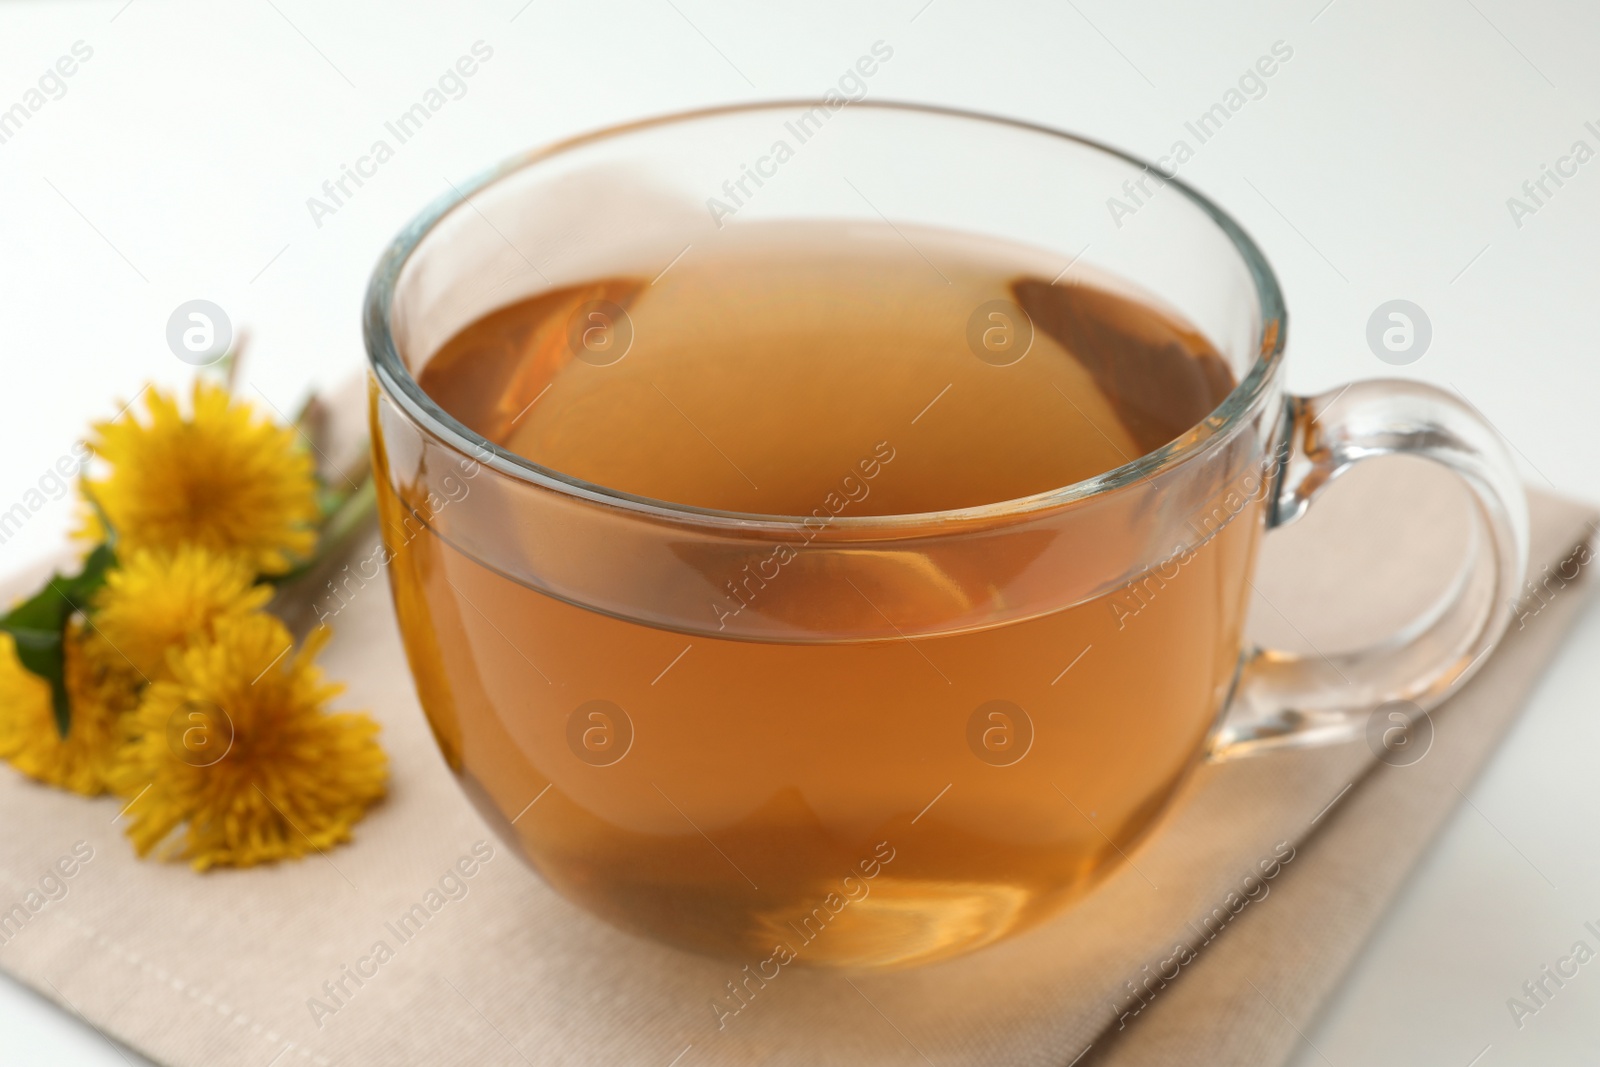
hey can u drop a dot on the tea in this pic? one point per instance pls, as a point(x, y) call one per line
point(772, 792)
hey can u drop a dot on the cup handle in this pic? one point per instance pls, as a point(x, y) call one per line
point(1288, 700)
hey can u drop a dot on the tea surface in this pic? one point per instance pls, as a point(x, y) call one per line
point(752, 377)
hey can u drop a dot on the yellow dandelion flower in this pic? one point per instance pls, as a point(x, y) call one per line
point(102, 688)
point(224, 477)
point(89, 529)
point(237, 749)
point(155, 601)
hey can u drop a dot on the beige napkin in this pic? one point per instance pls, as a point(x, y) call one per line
point(493, 968)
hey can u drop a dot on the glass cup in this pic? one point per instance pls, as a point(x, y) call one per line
point(852, 740)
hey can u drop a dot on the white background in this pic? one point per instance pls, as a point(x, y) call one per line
point(1378, 165)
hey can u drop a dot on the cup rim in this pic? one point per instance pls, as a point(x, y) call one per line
point(401, 386)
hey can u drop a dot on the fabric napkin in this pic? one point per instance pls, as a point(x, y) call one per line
point(1251, 898)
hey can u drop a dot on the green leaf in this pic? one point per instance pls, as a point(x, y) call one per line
point(38, 625)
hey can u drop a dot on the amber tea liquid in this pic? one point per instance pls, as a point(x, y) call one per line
point(856, 803)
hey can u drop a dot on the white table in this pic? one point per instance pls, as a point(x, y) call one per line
point(178, 160)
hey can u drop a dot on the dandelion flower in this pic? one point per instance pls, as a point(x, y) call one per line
point(102, 687)
point(223, 477)
point(156, 600)
point(89, 529)
point(278, 777)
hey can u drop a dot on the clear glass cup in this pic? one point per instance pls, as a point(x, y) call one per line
point(798, 793)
